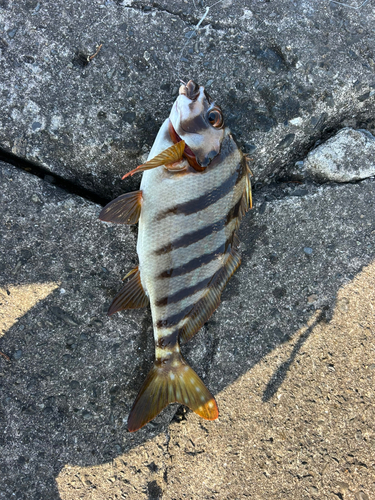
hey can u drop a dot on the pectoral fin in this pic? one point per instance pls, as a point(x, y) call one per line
point(169, 155)
point(131, 296)
point(125, 209)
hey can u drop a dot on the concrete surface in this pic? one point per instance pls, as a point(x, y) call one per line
point(290, 364)
point(290, 352)
point(287, 74)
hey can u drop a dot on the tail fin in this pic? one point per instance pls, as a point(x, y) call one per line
point(167, 384)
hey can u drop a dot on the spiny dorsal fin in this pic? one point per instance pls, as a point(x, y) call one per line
point(165, 384)
point(131, 296)
point(206, 306)
point(125, 209)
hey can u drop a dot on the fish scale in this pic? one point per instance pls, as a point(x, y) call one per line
point(194, 191)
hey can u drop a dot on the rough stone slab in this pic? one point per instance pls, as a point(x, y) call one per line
point(286, 73)
point(347, 157)
point(74, 373)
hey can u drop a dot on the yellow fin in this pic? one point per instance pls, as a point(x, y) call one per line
point(173, 382)
point(170, 155)
point(248, 190)
point(125, 209)
point(131, 295)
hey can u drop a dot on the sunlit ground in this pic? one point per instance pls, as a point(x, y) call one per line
point(313, 438)
point(16, 300)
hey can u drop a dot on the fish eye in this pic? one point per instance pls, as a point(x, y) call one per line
point(215, 118)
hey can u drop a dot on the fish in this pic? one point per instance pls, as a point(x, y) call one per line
point(195, 189)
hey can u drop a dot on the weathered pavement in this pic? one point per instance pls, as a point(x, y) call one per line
point(289, 354)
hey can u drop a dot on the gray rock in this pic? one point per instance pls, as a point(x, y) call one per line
point(286, 74)
point(348, 156)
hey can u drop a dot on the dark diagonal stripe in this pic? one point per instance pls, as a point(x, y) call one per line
point(168, 340)
point(190, 238)
point(234, 211)
point(207, 199)
point(193, 264)
point(174, 319)
point(184, 293)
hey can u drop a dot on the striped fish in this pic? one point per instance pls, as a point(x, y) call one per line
point(194, 191)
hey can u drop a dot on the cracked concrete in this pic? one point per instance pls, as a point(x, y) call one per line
point(275, 354)
point(287, 74)
point(289, 354)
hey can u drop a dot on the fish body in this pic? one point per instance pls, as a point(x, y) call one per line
point(189, 211)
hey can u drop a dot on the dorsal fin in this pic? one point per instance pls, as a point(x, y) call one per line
point(131, 295)
point(125, 209)
point(171, 383)
point(206, 306)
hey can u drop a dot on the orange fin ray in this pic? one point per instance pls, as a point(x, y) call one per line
point(206, 306)
point(125, 209)
point(131, 296)
point(167, 384)
point(170, 155)
point(248, 193)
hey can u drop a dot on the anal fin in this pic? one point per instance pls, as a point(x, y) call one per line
point(131, 295)
point(125, 209)
point(174, 382)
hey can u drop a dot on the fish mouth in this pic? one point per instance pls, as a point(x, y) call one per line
point(190, 90)
point(188, 153)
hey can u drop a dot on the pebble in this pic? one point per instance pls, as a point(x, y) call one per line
point(59, 313)
point(86, 415)
point(12, 33)
point(287, 141)
point(36, 125)
point(308, 250)
point(35, 199)
point(18, 354)
point(296, 121)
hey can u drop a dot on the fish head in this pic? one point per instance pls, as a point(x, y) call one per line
point(198, 120)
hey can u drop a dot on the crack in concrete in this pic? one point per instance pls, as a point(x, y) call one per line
point(261, 191)
point(192, 21)
point(43, 173)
